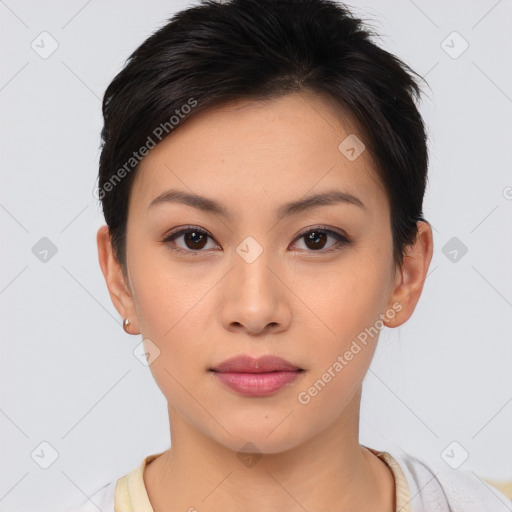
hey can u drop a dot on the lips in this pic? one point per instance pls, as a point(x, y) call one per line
point(263, 364)
point(256, 377)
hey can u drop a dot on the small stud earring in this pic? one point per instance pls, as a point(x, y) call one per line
point(126, 323)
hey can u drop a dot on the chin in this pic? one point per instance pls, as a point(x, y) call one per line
point(258, 438)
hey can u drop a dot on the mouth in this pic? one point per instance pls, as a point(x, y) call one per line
point(256, 377)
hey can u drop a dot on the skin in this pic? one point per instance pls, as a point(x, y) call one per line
point(295, 300)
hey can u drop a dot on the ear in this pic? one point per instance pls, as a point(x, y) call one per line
point(410, 278)
point(117, 283)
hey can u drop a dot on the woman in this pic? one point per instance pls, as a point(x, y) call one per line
point(262, 178)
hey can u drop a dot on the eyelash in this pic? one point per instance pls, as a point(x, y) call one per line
point(342, 240)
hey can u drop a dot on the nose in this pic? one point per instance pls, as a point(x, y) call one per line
point(255, 299)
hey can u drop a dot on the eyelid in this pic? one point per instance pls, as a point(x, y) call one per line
point(323, 227)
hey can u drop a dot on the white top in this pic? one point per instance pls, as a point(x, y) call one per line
point(420, 487)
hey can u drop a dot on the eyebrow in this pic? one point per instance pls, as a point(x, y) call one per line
point(207, 205)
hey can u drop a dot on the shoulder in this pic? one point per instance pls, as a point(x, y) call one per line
point(102, 499)
point(126, 493)
point(440, 488)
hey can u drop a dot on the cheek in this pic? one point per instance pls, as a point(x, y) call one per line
point(344, 300)
point(349, 307)
point(171, 310)
point(164, 296)
point(349, 304)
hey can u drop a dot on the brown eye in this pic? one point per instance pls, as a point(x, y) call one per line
point(316, 239)
point(194, 240)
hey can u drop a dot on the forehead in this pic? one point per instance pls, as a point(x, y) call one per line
point(283, 147)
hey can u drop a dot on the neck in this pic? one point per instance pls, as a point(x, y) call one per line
point(329, 471)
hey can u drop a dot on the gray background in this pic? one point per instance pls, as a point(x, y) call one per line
point(68, 374)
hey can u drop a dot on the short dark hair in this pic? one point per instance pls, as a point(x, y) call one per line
point(215, 52)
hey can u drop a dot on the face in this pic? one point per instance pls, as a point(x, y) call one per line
point(311, 284)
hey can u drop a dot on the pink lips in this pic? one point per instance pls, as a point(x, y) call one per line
point(256, 377)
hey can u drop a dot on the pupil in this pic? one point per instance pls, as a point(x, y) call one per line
point(191, 235)
point(317, 239)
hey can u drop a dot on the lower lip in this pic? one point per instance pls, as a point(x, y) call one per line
point(257, 384)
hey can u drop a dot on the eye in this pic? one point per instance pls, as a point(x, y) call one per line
point(195, 239)
point(316, 238)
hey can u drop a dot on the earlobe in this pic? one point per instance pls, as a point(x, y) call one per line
point(118, 288)
point(410, 278)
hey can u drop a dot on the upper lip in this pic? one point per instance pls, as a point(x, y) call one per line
point(248, 364)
